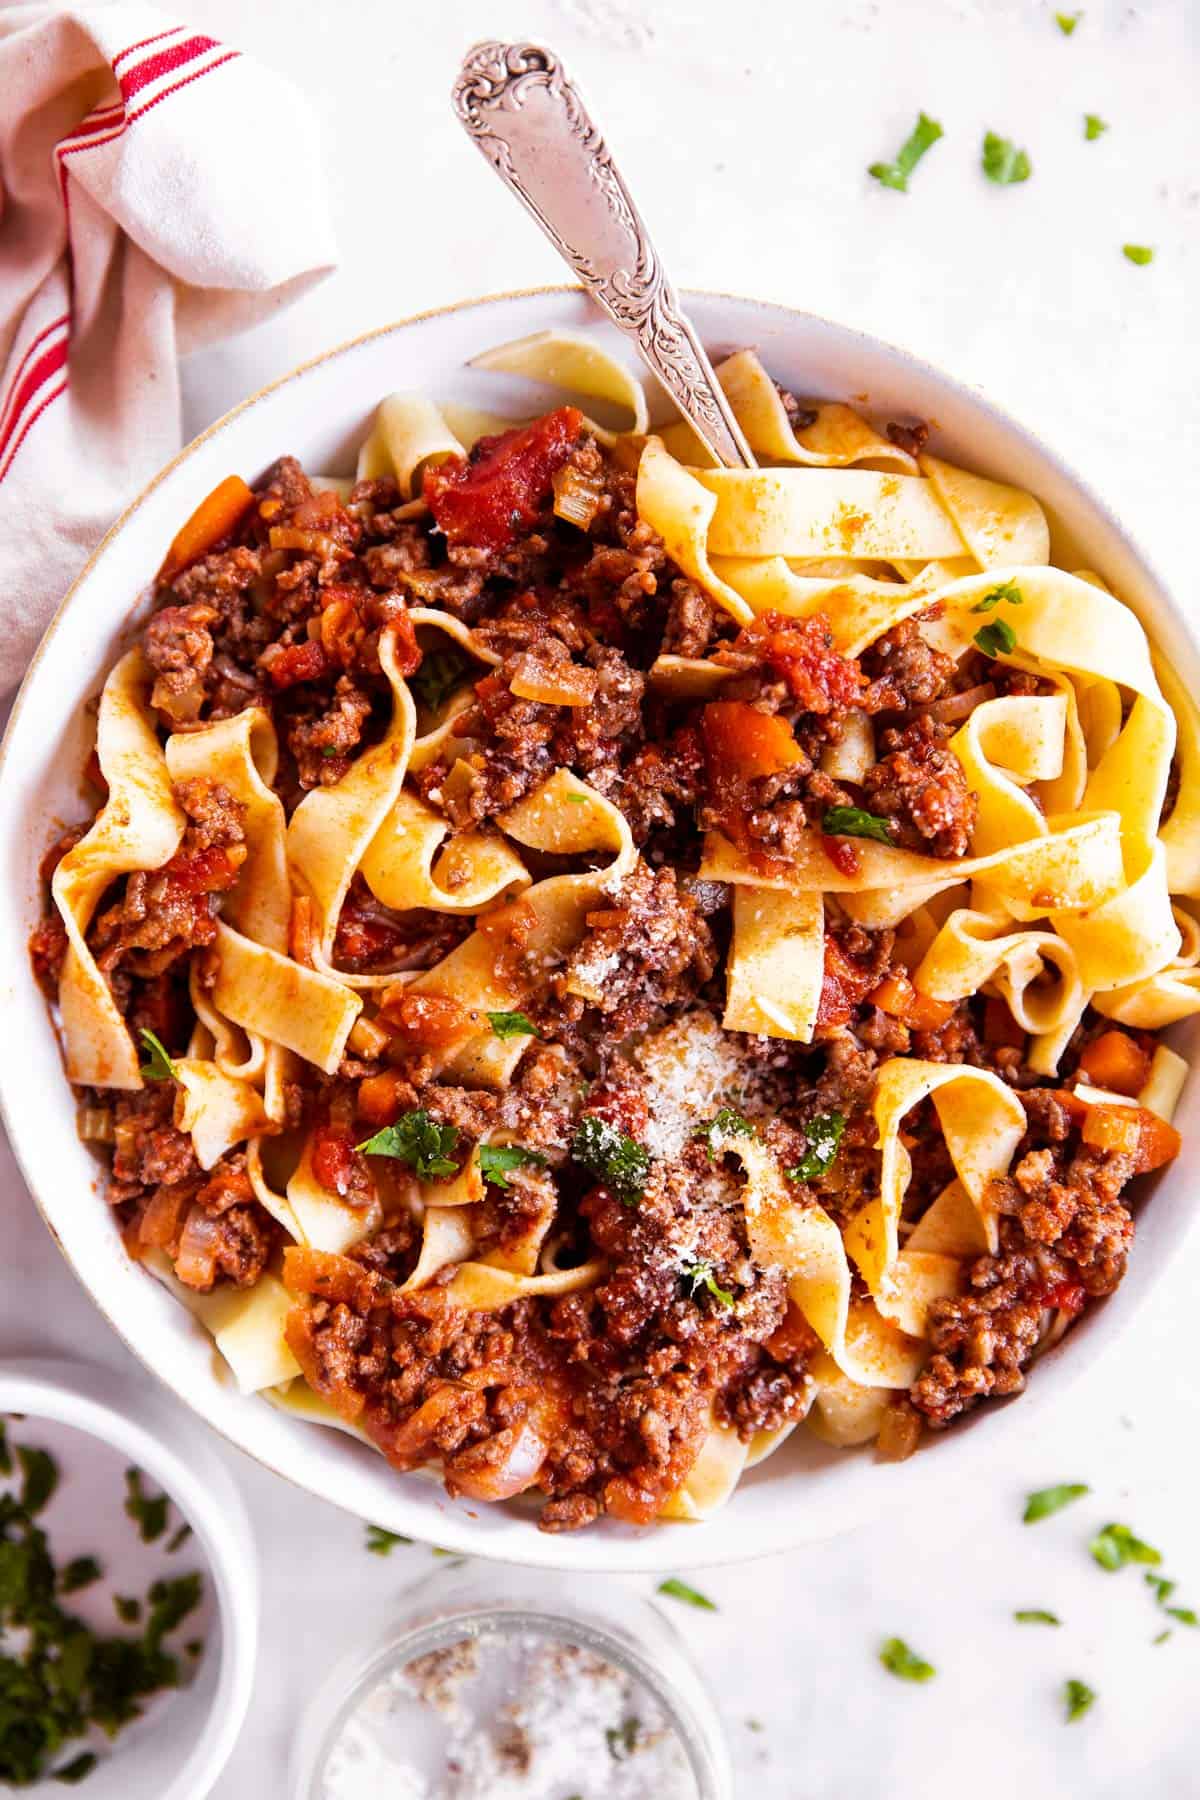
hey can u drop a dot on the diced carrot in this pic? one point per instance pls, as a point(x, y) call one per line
point(214, 519)
point(379, 1096)
point(742, 743)
point(1116, 1061)
point(897, 996)
point(1133, 1131)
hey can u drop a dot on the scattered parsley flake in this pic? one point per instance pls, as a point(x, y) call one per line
point(178, 1538)
point(700, 1274)
point(418, 1140)
point(726, 1123)
point(619, 1160)
point(924, 134)
point(127, 1608)
point(1161, 1587)
point(622, 1739)
point(452, 1560)
point(194, 1646)
point(1093, 127)
point(754, 1725)
point(1034, 1615)
point(1052, 1499)
point(1067, 22)
point(511, 1025)
point(1161, 1638)
point(824, 1134)
point(1141, 254)
point(80, 1572)
point(1003, 163)
point(381, 1542)
point(996, 639)
point(6, 1461)
point(440, 673)
point(679, 1590)
point(170, 1603)
point(1079, 1698)
point(148, 1511)
point(1008, 591)
point(578, 799)
point(1184, 1614)
point(900, 1661)
point(78, 1767)
point(1116, 1546)
point(158, 1065)
point(852, 821)
point(39, 1478)
point(496, 1160)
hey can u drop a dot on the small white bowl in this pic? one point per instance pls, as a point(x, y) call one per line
point(321, 413)
point(176, 1754)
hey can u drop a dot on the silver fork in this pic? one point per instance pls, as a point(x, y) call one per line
point(529, 120)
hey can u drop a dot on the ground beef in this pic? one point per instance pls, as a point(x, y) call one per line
point(920, 788)
point(641, 952)
point(903, 670)
point(691, 620)
point(322, 744)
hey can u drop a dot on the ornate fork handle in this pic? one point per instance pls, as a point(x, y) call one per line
point(528, 119)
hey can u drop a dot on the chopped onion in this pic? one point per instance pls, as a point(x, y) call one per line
point(316, 543)
point(181, 707)
point(959, 706)
point(554, 684)
point(159, 1225)
point(196, 1262)
point(368, 1039)
point(95, 1125)
point(577, 497)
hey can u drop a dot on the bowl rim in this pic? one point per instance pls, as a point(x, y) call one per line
point(112, 1408)
point(636, 1552)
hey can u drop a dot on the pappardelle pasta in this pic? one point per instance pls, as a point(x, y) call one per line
point(586, 961)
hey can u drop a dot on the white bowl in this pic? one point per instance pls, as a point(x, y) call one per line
point(178, 1755)
point(321, 413)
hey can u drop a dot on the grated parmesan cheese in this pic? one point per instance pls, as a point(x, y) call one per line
point(691, 1070)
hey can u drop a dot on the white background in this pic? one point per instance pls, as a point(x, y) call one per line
point(746, 131)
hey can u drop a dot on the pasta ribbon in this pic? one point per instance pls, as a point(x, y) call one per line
point(577, 364)
point(563, 817)
point(776, 963)
point(332, 827)
point(1035, 972)
point(712, 1477)
point(270, 995)
point(216, 1109)
point(408, 432)
point(138, 827)
point(399, 866)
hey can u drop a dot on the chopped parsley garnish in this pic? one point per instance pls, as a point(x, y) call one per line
point(899, 1660)
point(824, 1134)
point(78, 1767)
point(852, 821)
point(1008, 591)
point(1034, 1615)
point(39, 1478)
point(1141, 254)
point(1003, 163)
point(1160, 1586)
point(924, 134)
point(1052, 1499)
point(58, 1677)
point(381, 1542)
point(1079, 1697)
point(621, 1163)
point(622, 1739)
point(726, 1123)
point(158, 1065)
point(418, 1140)
point(1093, 127)
point(1116, 1546)
point(80, 1572)
point(1161, 1638)
point(148, 1511)
point(511, 1025)
point(1067, 22)
point(178, 1538)
point(440, 673)
point(128, 1608)
point(679, 1590)
point(996, 639)
point(496, 1160)
point(700, 1274)
point(1184, 1614)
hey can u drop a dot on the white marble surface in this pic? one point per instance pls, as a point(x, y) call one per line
point(747, 131)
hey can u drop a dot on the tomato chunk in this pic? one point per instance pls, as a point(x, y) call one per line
point(297, 662)
point(1066, 1296)
point(487, 501)
point(801, 653)
point(845, 985)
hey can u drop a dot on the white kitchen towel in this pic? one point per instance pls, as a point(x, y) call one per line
point(158, 190)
